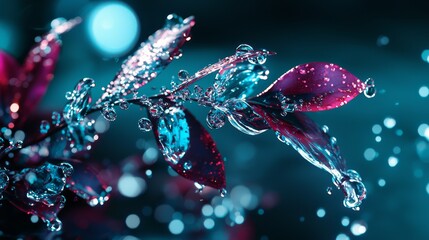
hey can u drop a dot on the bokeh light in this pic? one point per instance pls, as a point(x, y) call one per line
point(113, 28)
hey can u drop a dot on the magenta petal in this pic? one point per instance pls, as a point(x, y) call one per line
point(9, 69)
point(85, 182)
point(195, 155)
point(313, 86)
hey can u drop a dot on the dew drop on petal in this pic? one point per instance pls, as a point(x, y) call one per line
point(243, 49)
point(123, 104)
point(145, 124)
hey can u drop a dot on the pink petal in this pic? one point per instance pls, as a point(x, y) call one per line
point(313, 86)
point(201, 161)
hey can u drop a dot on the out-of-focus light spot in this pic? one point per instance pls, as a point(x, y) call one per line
point(220, 211)
point(101, 125)
point(342, 236)
point(207, 210)
point(238, 219)
point(382, 40)
point(164, 213)
point(396, 150)
point(244, 152)
point(129, 237)
point(34, 219)
point(423, 91)
point(7, 34)
point(376, 129)
point(14, 107)
point(242, 196)
point(321, 212)
point(301, 219)
point(209, 223)
point(425, 55)
point(422, 129)
point(148, 173)
point(378, 139)
point(176, 227)
point(392, 161)
point(131, 186)
point(427, 188)
point(389, 122)
point(132, 221)
point(370, 154)
point(150, 156)
point(381, 182)
point(358, 228)
point(345, 221)
point(113, 28)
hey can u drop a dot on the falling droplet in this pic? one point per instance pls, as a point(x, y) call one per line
point(370, 90)
point(325, 129)
point(123, 104)
point(353, 188)
point(243, 49)
point(187, 165)
point(109, 113)
point(44, 127)
point(183, 75)
point(215, 118)
point(145, 124)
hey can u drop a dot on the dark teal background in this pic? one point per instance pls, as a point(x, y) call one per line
point(341, 32)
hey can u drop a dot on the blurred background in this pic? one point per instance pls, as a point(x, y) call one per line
point(273, 192)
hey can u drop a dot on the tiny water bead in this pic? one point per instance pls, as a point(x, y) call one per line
point(183, 75)
point(145, 124)
point(123, 104)
point(370, 89)
point(187, 165)
point(243, 49)
point(44, 127)
point(109, 113)
point(215, 118)
point(56, 118)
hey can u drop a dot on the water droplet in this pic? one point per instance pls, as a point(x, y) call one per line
point(123, 104)
point(199, 187)
point(325, 129)
point(215, 118)
point(243, 49)
point(223, 192)
point(56, 118)
point(173, 20)
point(44, 127)
point(18, 144)
point(54, 225)
point(187, 165)
point(109, 113)
point(183, 75)
point(174, 136)
point(69, 95)
point(145, 101)
point(353, 189)
point(145, 124)
point(370, 89)
point(329, 190)
point(156, 110)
